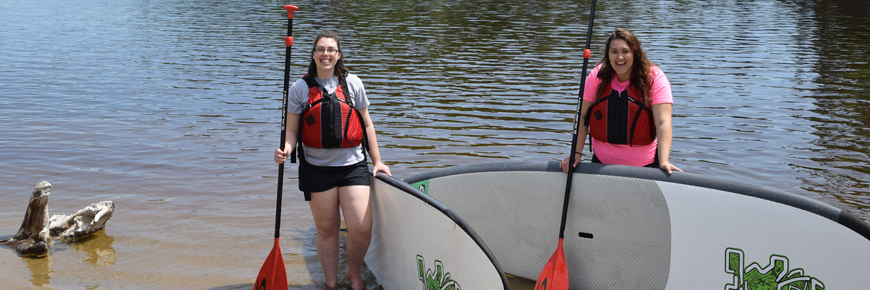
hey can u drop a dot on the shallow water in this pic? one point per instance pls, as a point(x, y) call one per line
point(172, 108)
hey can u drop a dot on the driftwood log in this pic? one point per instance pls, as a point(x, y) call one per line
point(38, 230)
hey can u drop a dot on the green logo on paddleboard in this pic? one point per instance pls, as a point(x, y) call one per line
point(436, 280)
point(776, 275)
point(422, 186)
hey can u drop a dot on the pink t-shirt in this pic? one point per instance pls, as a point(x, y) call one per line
point(626, 154)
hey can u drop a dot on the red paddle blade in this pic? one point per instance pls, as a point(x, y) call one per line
point(272, 274)
point(555, 273)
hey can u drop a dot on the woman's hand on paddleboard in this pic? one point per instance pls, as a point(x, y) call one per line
point(564, 163)
point(667, 166)
point(380, 166)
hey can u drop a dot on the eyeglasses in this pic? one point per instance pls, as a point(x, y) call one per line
point(321, 50)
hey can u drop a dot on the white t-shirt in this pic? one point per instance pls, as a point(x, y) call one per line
point(298, 98)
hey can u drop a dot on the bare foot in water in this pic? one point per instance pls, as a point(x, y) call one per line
point(355, 284)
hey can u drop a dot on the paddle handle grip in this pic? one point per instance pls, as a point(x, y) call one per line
point(290, 9)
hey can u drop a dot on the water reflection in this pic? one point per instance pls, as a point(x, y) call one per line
point(841, 97)
point(40, 270)
point(97, 249)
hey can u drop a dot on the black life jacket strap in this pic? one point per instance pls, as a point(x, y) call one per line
point(344, 90)
point(297, 149)
point(365, 140)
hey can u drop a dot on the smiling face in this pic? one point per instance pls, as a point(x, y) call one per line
point(326, 54)
point(621, 59)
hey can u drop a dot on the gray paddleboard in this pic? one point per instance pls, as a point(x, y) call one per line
point(638, 228)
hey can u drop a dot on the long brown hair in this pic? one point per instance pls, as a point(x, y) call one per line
point(640, 69)
point(340, 69)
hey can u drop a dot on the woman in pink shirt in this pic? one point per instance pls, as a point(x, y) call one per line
point(626, 108)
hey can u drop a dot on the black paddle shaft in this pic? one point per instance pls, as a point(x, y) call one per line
point(288, 42)
point(576, 124)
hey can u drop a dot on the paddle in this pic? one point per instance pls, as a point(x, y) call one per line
point(555, 273)
point(273, 274)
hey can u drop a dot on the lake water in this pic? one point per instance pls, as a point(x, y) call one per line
point(171, 109)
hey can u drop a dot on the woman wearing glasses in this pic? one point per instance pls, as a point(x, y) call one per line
point(333, 173)
point(626, 108)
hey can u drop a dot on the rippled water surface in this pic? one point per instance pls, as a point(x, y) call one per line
point(172, 108)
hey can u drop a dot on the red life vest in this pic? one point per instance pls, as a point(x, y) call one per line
point(621, 118)
point(330, 120)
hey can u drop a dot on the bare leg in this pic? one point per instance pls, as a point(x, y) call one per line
point(324, 208)
point(356, 206)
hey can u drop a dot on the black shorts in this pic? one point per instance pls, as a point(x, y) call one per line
point(314, 178)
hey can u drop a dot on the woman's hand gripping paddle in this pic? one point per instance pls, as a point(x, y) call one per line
point(555, 273)
point(273, 274)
